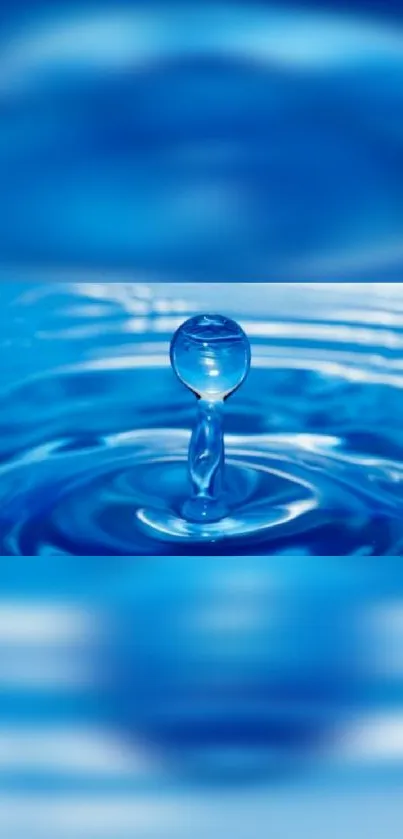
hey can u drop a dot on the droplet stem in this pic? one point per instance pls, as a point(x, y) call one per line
point(206, 464)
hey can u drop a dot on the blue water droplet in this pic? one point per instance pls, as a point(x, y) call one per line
point(211, 355)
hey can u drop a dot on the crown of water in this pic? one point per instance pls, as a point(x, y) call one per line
point(210, 354)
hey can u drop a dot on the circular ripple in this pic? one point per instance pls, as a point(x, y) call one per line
point(93, 455)
point(285, 494)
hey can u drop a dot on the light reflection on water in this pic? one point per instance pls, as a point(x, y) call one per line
point(95, 427)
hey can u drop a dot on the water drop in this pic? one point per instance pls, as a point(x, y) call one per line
point(210, 354)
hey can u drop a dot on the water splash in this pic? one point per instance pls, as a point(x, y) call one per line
point(94, 436)
point(211, 355)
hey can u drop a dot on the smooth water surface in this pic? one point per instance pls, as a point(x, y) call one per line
point(95, 427)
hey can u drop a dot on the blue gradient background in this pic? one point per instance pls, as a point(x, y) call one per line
point(78, 758)
point(210, 141)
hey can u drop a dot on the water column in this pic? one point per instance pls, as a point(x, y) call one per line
point(210, 354)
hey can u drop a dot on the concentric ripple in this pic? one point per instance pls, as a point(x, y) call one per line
point(93, 453)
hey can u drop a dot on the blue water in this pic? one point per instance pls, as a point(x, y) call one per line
point(95, 426)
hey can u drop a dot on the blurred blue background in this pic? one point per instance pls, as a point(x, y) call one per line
point(203, 141)
point(196, 697)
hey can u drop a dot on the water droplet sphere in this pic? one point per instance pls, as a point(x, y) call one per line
point(210, 355)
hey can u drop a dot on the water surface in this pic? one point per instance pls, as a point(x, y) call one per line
point(95, 427)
